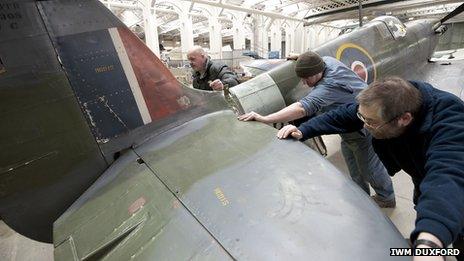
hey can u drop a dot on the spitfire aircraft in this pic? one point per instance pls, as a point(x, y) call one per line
point(107, 156)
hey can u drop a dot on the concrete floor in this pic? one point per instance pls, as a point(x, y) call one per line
point(403, 215)
point(14, 247)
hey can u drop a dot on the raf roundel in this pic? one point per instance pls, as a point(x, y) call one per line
point(360, 69)
point(359, 60)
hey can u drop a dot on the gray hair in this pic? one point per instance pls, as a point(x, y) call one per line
point(393, 95)
point(197, 50)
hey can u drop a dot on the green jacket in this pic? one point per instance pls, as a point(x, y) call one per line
point(214, 70)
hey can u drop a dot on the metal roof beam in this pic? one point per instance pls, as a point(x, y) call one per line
point(246, 10)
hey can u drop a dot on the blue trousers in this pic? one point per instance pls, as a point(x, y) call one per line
point(364, 165)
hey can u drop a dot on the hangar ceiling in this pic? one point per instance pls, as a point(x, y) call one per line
point(339, 13)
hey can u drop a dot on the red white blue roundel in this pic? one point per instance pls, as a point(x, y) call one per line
point(359, 60)
point(360, 69)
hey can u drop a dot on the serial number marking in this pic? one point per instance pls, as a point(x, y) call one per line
point(9, 6)
point(9, 15)
point(12, 26)
point(104, 68)
point(222, 198)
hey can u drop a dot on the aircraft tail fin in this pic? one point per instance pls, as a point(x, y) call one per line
point(77, 88)
point(48, 155)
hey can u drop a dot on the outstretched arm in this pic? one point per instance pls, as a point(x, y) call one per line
point(341, 120)
point(319, 98)
point(292, 112)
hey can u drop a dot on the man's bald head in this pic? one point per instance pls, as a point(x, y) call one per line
point(197, 57)
point(196, 50)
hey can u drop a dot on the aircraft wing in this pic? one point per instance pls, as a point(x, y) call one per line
point(447, 75)
point(217, 188)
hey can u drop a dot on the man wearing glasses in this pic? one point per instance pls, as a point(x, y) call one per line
point(334, 85)
point(418, 129)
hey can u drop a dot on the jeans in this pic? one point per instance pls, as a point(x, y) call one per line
point(364, 165)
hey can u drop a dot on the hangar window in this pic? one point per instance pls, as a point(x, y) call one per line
point(394, 25)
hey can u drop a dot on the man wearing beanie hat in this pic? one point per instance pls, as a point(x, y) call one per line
point(334, 84)
point(309, 64)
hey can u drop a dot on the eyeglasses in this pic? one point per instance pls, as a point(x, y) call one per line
point(372, 126)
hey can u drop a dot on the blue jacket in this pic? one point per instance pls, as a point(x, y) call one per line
point(431, 151)
point(339, 85)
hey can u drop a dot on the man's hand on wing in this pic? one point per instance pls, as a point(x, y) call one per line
point(216, 85)
point(289, 130)
point(252, 116)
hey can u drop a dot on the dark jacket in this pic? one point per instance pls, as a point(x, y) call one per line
point(431, 151)
point(214, 70)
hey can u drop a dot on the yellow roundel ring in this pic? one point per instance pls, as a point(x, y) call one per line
point(345, 46)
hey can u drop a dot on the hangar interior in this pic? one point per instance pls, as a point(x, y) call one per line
point(274, 29)
point(238, 31)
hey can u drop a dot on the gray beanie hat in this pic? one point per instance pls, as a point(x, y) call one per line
point(309, 64)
